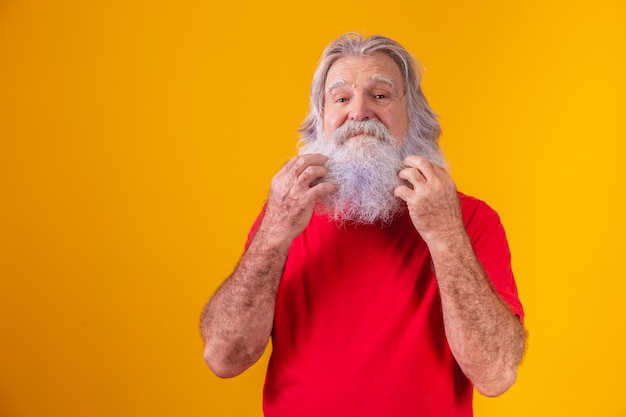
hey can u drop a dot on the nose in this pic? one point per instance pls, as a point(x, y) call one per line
point(360, 109)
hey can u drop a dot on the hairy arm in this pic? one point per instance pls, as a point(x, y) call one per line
point(236, 323)
point(486, 338)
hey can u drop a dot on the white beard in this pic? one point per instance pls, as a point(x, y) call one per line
point(365, 169)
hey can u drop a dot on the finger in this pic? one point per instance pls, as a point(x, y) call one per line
point(413, 161)
point(311, 174)
point(323, 188)
point(299, 163)
point(413, 175)
point(403, 192)
point(425, 167)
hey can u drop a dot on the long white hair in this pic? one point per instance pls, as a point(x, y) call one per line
point(423, 131)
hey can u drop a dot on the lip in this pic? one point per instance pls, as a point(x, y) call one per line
point(360, 134)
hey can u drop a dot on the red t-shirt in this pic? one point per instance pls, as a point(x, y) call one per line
point(358, 329)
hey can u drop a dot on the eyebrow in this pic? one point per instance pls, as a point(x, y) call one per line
point(376, 78)
point(381, 79)
point(335, 85)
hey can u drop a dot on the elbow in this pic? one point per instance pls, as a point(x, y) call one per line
point(228, 365)
point(220, 365)
point(497, 386)
point(222, 369)
point(502, 377)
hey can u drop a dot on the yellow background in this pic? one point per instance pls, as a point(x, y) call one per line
point(138, 139)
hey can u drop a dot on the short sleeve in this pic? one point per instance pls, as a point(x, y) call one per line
point(490, 244)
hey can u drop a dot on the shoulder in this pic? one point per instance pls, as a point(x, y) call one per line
point(480, 219)
point(474, 208)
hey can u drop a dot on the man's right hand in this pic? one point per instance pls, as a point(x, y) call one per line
point(293, 194)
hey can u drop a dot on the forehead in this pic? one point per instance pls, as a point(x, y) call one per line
point(352, 70)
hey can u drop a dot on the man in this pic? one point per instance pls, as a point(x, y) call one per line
point(385, 291)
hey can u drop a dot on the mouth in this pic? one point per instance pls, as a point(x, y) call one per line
point(360, 134)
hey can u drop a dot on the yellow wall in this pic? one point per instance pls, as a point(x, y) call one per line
point(138, 138)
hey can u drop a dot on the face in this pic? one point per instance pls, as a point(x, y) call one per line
point(365, 88)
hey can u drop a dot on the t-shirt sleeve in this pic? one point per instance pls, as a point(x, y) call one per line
point(488, 237)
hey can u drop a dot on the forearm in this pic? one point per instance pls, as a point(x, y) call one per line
point(486, 338)
point(237, 322)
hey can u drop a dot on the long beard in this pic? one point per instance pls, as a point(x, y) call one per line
point(365, 169)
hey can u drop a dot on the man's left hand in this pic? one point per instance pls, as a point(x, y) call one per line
point(432, 201)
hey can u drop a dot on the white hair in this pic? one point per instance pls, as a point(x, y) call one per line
point(365, 170)
point(423, 131)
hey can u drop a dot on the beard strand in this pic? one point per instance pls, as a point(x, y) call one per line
point(365, 170)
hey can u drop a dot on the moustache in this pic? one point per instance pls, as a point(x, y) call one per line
point(370, 127)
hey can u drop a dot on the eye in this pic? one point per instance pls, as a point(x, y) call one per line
point(380, 96)
point(341, 100)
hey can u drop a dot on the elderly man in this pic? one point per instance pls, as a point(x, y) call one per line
point(385, 291)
